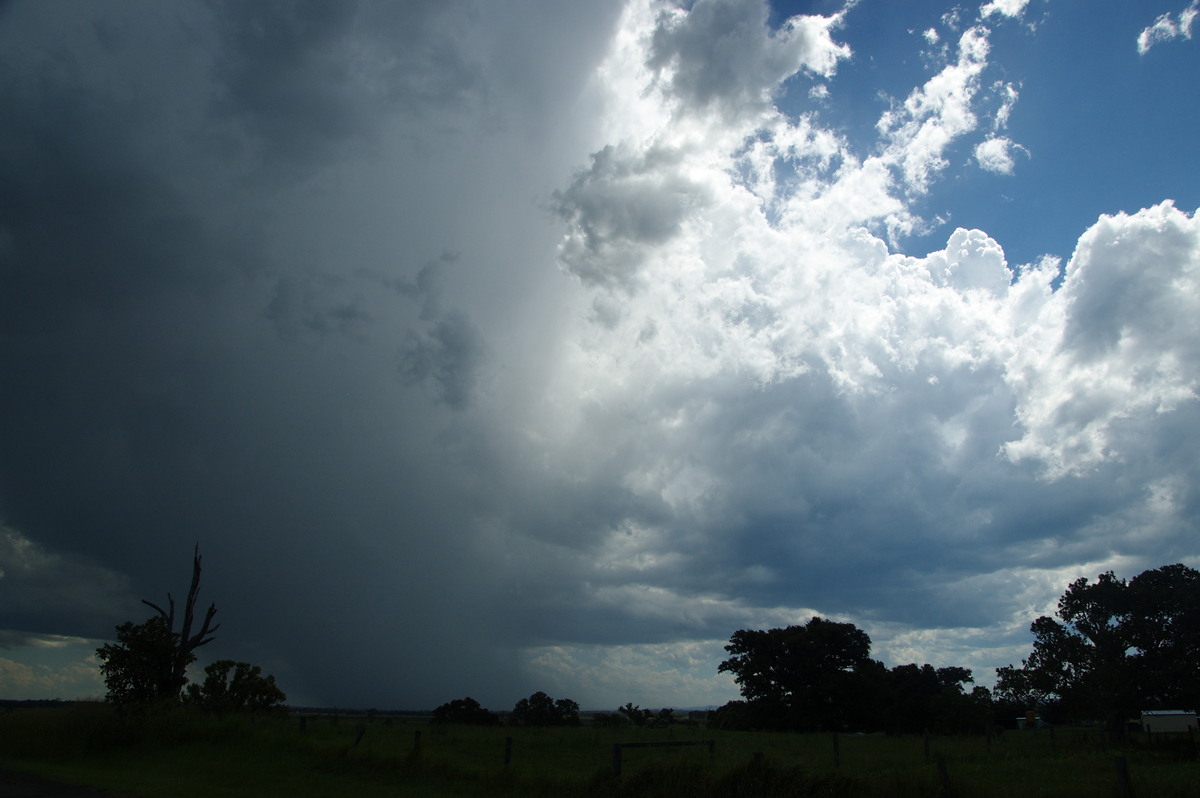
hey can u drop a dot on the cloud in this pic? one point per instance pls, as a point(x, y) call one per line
point(1116, 347)
point(1007, 8)
point(487, 350)
point(784, 394)
point(995, 155)
point(616, 675)
point(919, 132)
point(23, 681)
point(622, 204)
point(40, 589)
point(1165, 28)
point(300, 81)
point(450, 354)
point(720, 55)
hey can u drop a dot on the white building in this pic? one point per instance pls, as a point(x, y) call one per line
point(1160, 721)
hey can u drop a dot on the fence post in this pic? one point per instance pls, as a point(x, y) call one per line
point(927, 746)
point(304, 724)
point(1124, 785)
point(507, 750)
point(944, 776)
point(837, 751)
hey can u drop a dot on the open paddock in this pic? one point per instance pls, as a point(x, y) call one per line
point(190, 755)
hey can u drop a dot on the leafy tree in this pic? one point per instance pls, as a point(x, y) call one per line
point(1118, 647)
point(542, 710)
point(243, 690)
point(464, 710)
point(646, 717)
point(815, 676)
point(1165, 629)
point(138, 668)
point(923, 697)
point(636, 715)
point(150, 660)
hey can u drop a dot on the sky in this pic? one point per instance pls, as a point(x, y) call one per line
point(486, 348)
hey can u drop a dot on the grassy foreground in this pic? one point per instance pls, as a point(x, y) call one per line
point(174, 754)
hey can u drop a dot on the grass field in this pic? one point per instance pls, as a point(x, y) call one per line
point(189, 755)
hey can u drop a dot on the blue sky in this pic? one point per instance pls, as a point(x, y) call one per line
point(496, 347)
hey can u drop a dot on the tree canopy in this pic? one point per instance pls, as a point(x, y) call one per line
point(466, 711)
point(230, 686)
point(150, 660)
point(1116, 648)
point(139, 667)
point(542, 710)
point(820, 676)
point(809, 676)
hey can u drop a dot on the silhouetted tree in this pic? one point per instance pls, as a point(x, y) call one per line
point(820, 676)
point(464, 710)
point(923, 697)
point(243, 690)
point(542, 710)
point(138, 667)
point(150, 660)
point(815, 676)
point(636, 715)
point(1118, 648)
point(1164, 626)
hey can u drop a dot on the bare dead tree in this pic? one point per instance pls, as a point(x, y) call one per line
point(173, 677)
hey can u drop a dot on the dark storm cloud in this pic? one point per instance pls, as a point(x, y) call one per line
point(41, 590)
point(450, 354)
point(200, 327)
point(306, 78)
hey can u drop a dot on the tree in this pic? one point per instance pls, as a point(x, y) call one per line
point(1118, 647)
point(464, 710)
point(542, 710)
point(150, 660)
point(138, 667)
point(636, 715)
point(1165, 630)
point(187, 642)
point(245, 690)
point(923, 697)
point(815, 676)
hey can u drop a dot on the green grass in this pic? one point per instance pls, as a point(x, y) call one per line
point(179, 754)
